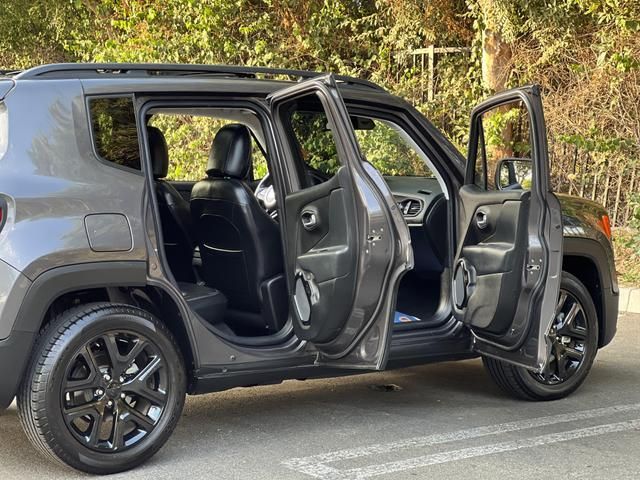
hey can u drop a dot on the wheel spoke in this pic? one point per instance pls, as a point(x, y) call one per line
point(92, 408)
point(570, 317)
point(144, 374)
point(139, 386)
point(562, 368)
point(96, 427)
point(574, 353)
point(134, 352)
point(139, 418)
point(569, 326)
point(115, 359)
point(92, 379)
point(117, 431)
point(561, 301)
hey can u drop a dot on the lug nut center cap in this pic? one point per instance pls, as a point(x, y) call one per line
point(114, 390)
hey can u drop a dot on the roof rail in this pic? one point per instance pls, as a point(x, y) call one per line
point(7, 73)
point(93, 70)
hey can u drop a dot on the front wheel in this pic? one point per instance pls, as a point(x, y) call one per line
point(574, 337)
point(104, 390)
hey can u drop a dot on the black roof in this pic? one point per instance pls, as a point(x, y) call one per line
point(128, 70)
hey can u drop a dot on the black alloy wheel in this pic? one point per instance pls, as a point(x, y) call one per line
point(105, 388)
point(574, 338)
point(569, 334)
point(114, 391)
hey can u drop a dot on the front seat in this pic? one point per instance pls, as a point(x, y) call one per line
point(239, 242)
point(175, 215)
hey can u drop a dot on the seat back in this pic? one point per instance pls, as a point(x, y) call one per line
point(175, 215)
point(239, 243)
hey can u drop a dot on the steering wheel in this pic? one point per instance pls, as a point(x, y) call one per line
point(266, 195)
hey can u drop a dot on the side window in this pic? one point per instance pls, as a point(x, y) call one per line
point(317, 148)
point(259, 167)
point(503, 156)
point(388, 149)
point(480, 173)
point(115, 134)
point(189, 139)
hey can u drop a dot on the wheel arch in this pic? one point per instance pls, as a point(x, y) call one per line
point(61, 288)
point(587, 260)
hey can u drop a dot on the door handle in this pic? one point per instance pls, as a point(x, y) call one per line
point(309, 220)
point(482, 221)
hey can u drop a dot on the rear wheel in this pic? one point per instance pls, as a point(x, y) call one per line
point(574, 336)
point(104, 390)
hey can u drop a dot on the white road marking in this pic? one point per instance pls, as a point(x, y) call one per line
point(315, 465)
point(450, 456)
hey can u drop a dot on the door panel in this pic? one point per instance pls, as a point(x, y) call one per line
point(492, 251)
point(322, 258)
point(508, 261)
point(347, 245)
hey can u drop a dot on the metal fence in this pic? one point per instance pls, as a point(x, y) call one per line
point(607, 181)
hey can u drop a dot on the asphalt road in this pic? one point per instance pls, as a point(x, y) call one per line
point(447, 421)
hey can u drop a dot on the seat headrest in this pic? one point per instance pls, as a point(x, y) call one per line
point(230, 154)
point(159, 152)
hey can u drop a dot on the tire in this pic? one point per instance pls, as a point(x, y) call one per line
point(523, 384)
point(77, 353)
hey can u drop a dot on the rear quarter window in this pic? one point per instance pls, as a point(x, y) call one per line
point(115, 134)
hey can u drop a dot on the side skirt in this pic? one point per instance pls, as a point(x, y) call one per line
point(447, 343)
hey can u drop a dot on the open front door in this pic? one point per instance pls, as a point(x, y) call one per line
point(509, 256)
point(347, 244)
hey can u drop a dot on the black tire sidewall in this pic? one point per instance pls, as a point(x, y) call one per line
point(551, 392)
point(62, 441)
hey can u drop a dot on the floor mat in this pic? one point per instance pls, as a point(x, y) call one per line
point(405, 318)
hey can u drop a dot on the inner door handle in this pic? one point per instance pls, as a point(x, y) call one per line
point(481, 219)
point(309, 220)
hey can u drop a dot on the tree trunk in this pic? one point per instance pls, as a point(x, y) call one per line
point(496, 63)
point(496, 52)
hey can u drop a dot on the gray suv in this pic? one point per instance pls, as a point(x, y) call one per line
point(367, 242)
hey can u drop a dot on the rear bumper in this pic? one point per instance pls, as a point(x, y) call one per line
point(15, 345)
point(14, 355)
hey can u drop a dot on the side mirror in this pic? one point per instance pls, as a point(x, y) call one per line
point(514, 174)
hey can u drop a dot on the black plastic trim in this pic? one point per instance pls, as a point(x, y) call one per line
point(14, 355)
point(58, 281)
point(15, 350)
point(595, 251)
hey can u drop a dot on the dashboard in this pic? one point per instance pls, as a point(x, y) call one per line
point(415, 196)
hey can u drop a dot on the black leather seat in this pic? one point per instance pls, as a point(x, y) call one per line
point(239, 243)
point(175, 214)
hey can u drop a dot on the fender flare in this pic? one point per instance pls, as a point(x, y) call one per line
point(596, 252)
point(15, 350)
point(55, 282)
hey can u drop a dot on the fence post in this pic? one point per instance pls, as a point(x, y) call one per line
point(431, 71)
point(617, 204)
point(627, 212)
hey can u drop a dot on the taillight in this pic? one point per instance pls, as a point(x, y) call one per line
point(605, 225)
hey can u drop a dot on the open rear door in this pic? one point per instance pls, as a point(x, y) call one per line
point(509, 256)
point(347, 245)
